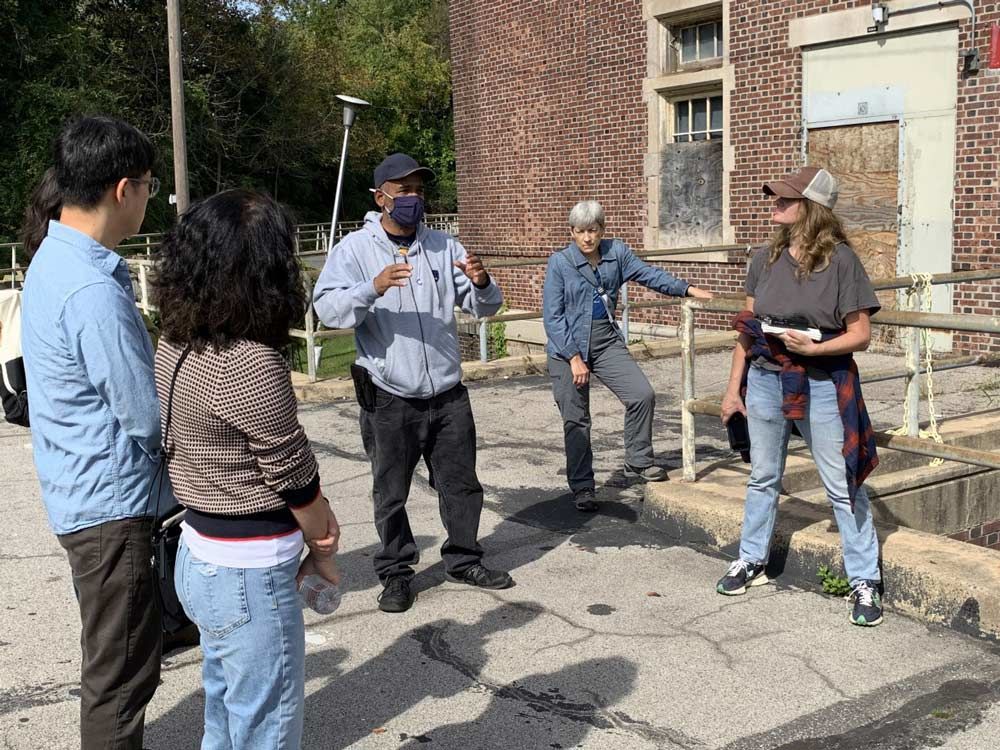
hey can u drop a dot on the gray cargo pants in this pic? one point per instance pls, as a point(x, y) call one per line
point(612, 364)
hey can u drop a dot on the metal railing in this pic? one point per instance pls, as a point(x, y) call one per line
point(312, 332)
point(912, 319)
point(627, 306)
point(310, 240)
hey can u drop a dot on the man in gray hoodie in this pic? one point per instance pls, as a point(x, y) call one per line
point(396, 283)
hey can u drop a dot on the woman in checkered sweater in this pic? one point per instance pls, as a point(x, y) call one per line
point(229, 287)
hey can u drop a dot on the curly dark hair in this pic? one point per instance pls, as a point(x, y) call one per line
point(228, 271)
point(45, 204)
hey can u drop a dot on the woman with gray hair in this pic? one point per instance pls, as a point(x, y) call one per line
point(579, 300)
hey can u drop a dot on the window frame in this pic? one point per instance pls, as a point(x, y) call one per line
point(688, 98)
point(677, 37)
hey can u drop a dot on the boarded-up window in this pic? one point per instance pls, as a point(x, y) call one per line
point(691, 194)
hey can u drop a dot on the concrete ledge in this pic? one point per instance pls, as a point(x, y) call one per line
point(927, 577)
point(340, 389)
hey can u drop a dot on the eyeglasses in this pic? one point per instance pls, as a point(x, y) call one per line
point(421, 191)
point(153, 182)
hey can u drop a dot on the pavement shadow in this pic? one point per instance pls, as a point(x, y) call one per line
point(357, 567)
point(183, 725)
point(548, 710)
point(435, 661)
point(534, 522)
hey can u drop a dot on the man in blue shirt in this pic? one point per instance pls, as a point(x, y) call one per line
point(95, 419)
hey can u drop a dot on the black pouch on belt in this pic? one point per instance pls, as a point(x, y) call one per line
point(364, 388)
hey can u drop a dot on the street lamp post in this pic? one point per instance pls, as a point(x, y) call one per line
point(351, 106)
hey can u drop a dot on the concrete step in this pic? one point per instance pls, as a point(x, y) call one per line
point(928, 576)
point(979, 431)
point(931, 578)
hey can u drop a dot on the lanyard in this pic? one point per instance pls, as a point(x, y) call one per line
point(599, 287)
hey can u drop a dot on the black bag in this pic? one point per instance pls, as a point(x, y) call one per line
point(13, 383)
point(166, 534)
point(14, 392)
point(166, 538)
point(739, 435)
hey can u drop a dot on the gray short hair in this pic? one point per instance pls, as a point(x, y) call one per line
point(585, 214)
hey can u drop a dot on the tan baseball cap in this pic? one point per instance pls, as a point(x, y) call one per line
point(812, 183)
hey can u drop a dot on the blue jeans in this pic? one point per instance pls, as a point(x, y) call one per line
point(823, 431)
point(253, 646)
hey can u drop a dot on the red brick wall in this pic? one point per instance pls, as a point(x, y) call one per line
point(987, 535)
point(977, 182)
point(549, 110)
point(547, 113)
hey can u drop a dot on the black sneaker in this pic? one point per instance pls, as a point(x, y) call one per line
point(867, 610)
point(646, 473)
point(396, 596)
point(740, 576)
point(481, 576)
point(585, 501)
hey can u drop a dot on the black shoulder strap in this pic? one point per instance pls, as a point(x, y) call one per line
point(161, 469)
point(170, 396)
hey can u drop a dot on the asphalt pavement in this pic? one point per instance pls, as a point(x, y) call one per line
point(610, 639)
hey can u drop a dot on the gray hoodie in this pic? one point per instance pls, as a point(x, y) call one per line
point(406, 339)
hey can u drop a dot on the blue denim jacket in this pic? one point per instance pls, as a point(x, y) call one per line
point(567, 299)
point(95, 416)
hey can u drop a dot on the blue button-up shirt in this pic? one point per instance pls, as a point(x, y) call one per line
point(95, 416)
point(568, 303)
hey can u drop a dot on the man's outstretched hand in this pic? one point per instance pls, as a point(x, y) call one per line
point(473, 268)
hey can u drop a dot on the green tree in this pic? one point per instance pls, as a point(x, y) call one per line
point(260, 86)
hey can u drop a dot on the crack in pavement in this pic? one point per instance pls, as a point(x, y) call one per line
point(31, 696)
point(926, 721)
point(809, 664)
point(434, 646)
point(917, 711)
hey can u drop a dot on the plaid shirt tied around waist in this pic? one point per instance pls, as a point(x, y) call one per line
point(860, 456)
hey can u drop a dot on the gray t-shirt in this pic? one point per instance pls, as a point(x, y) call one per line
point(824, 299)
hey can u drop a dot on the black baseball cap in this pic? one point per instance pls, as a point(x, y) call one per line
point(398, 166)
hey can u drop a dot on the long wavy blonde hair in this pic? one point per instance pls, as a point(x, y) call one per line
point(816, 232)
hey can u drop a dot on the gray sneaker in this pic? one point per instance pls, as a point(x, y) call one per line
point(741, 576)
point(646, 473)
point(867, 604)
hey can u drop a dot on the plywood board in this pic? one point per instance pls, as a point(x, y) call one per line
point(873, 147)
point(691, 194)
point(865, 159)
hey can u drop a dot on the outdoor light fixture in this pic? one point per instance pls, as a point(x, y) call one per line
point(351, 106)
point(970, 57)
point(880, 14)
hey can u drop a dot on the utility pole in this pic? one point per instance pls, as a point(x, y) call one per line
point(181, 195)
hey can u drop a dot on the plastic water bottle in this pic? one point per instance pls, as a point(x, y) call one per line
point(321, 596)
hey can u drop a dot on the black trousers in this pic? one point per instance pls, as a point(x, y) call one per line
point(121, 637)
point(397, 433)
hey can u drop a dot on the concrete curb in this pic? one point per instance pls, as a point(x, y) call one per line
point(928, 577)
point(340, 389)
